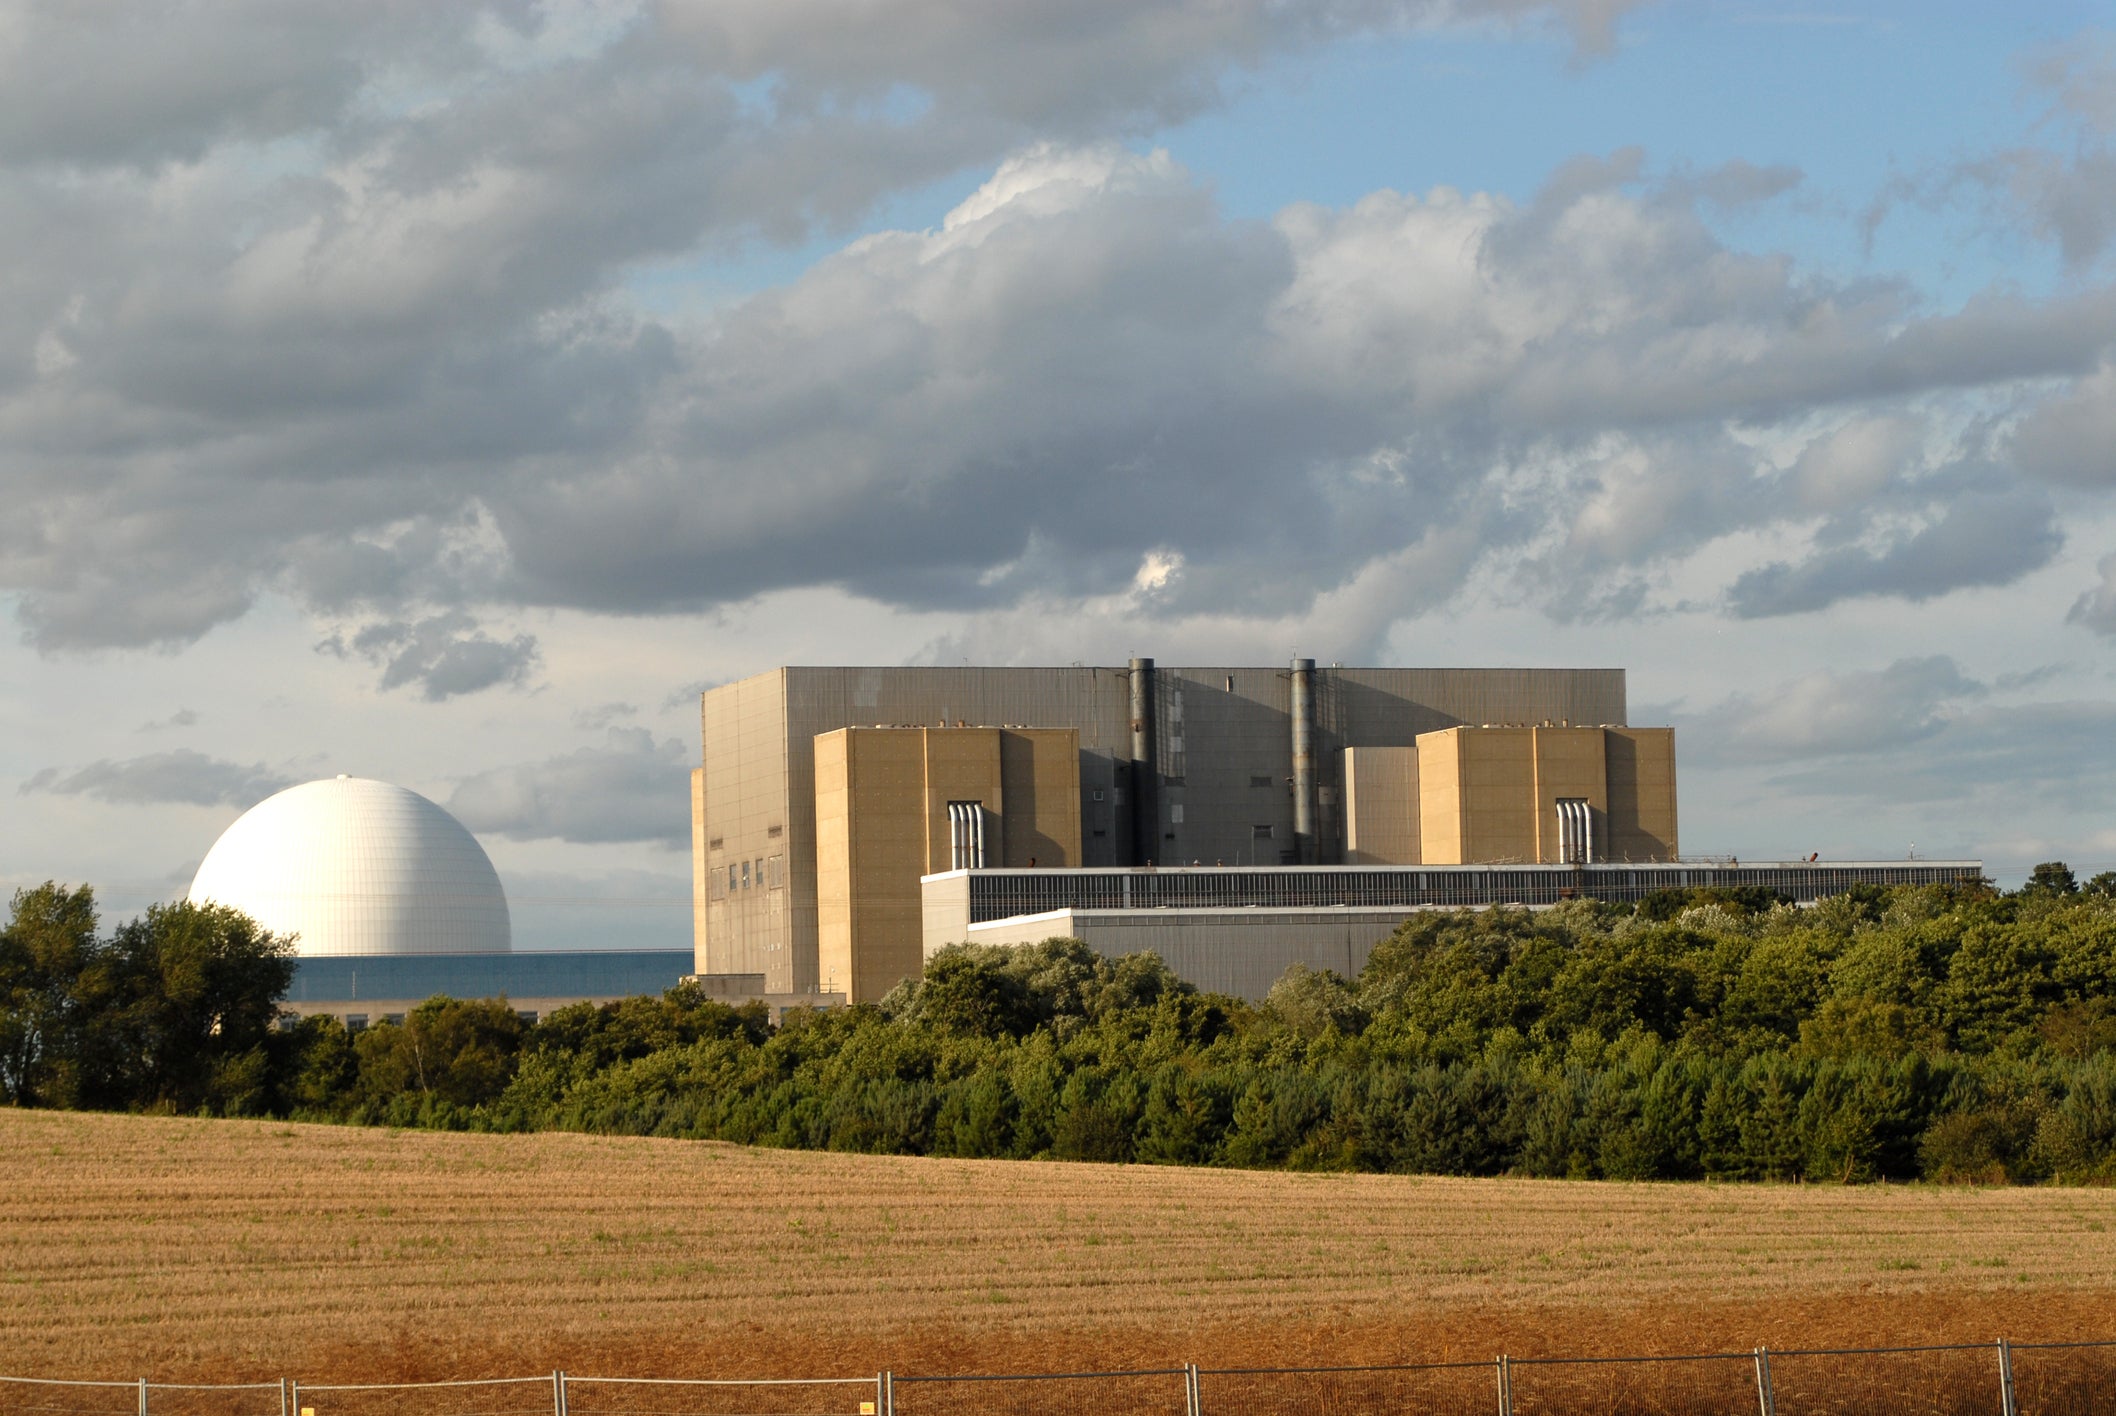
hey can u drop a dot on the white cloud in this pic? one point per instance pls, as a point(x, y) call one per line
point(1824, 714)
point(632, 788)
point(180, 776)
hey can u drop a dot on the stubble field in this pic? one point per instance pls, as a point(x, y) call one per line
point(176, 1249)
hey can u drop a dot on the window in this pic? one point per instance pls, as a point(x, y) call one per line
point(774, 832)
point(731, 877)
point(395, 1020)
point(527, 1015)
point(1175, 814)
point(354, 1022)
point(1261, 833)
point(760, 872)
point(745, 875)
point(775, 872)
point(1095, 795)
point(966, 835)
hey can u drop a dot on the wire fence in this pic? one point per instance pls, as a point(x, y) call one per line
point(2001, 1378)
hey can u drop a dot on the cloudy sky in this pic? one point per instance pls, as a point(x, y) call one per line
point(445, 393)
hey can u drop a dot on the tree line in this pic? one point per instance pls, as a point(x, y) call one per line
point(1942, 1033)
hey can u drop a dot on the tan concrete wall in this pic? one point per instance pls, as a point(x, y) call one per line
point(1382, 806)
point(1498, 786)
point(833, 847)
point(1642, 822)
point(699, 883)
point(1490, 795)
point(1568, 762)
point(745, 818)
point(1039, 771)
point(872, 842)
point(1440, 823)
point(881, 812)
point(960, 764)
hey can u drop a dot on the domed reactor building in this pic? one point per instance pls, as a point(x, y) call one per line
point(354, 866)
point(391, 902)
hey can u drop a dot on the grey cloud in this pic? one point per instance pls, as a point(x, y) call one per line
point(1990, 755)
point(181, 718)
point(143, 84)
point(1920, 735)
point(180, 776)
point(1061, 68)
point(2071, 201)
point(685, 695)
point(632, 788)
point(442, 655)
point(1825, 714)
point(1980, 539)
point(1850, 464)
point(1280, 411)
point(1739, 183)
point(402, 385)
point(2079, 75)
point(2070, 438)
point(261, 360)
point(604, 715)
point(2066, 197)
point(2096, 609)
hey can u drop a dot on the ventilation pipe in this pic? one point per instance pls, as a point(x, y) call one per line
point(1145, 767)
point(1304, 843)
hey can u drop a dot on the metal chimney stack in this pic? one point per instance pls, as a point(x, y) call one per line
point(1304, 843)
point(1145, 767)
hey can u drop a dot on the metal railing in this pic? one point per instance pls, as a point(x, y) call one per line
point(2000, 1378)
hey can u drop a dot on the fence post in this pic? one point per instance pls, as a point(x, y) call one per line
point(143, 1396)
point(1506, 1386)
point(885, 1393)
point(558, 1393)
point(2005, 1379)
point(283, 1397)
point(294, 1389)
point(1766, 1400)
point(1193, 1397)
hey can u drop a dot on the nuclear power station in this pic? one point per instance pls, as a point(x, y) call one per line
point(847, 822)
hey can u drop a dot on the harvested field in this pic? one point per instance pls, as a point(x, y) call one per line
point(229, 1250)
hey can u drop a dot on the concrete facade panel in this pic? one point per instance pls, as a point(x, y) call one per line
point(1642, 818)
point(1382, 806)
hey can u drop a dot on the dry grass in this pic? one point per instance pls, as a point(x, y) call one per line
point(192, 1248)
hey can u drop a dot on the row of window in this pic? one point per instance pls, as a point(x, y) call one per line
point(761, 873)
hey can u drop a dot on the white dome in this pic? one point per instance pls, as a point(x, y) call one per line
point(354, 866)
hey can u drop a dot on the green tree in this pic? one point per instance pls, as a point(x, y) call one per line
point(48, 985)
point(2052, 877)
point(194, 993)
point(447, 1054)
